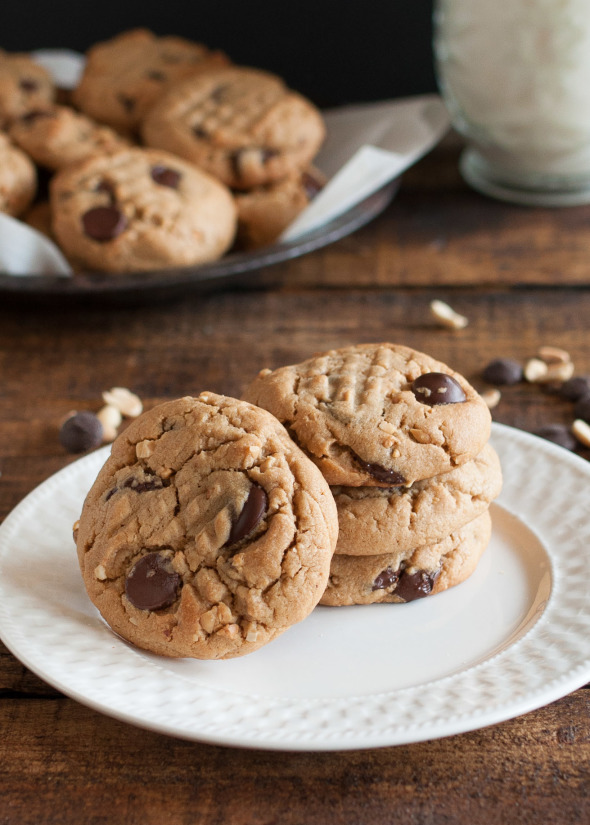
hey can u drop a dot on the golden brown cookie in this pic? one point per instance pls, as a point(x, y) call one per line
point(208, 532)
point(140, 209)
point(24, 86)
point(18, 178)
point(57, 136)
point(376, 520)
point(393, 578)
point(242, 125)
point(376, 415)
point(124, 76)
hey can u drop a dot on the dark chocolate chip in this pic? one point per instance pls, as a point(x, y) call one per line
point(165, 176)
point(385, 579)
point(558, 434)
point(389, 477)
point(152, 483)
point(218, 93)
point(575, 388)
point(436, 388)
point(503, 371)
point(152, 583)
point(128, 103)
point(253, 510)
point(154, 74)
point(28, 85)
point(199, 132)
point(582, 408)
point(35, 114)
point(416, 585)
point(103, 223)
point(80, 432)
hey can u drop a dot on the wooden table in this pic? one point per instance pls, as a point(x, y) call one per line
point(522, 277)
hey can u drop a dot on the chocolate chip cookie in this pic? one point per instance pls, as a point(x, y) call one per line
point(266, 211)
point(57, 136)
point(140, 209)
point(18, 178)
point(376, 415)
point(376, 520)
point(207, 532)
point(124, 76)
point(242, 125)
point(24, 86)
point(394, 578)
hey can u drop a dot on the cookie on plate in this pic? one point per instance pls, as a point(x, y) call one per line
point(376, 415)
point(124, 76)
point(392, 578)
point(140, 209)
point(24, 86)
point(376, 520)
point(207, 532)
point(57, 136)
point(242, 125)
point(18, 178)
point(266, 211)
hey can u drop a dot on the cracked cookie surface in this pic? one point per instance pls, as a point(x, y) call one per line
point(242, 125)
point(376, 415)
point(391, 577)
point(140, 209)
point(207, 533)
point(374, 520)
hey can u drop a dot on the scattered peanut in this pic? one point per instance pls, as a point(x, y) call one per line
point(492, 397)
point(124, 400)
point(581, 430)
point(110, 417)
point(535, 370)
point(446, 315)
point(554, 355)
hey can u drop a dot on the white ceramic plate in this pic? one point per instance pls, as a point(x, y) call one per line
point(512, 638)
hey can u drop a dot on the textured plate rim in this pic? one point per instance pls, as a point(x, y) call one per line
point(556, 649)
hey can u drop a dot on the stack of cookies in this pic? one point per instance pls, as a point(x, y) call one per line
point(402, 441)
point(165, 155)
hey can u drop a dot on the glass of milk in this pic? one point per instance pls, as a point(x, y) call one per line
point(515, 76)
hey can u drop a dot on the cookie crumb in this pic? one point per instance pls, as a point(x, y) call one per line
point(447, 316)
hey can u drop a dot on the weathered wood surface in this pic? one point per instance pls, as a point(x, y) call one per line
point(63, 763)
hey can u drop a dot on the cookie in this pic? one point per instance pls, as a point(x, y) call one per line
point(18, 179)
point(266, 211)
point(207, 532)
point(140, 209)
point(124, 76)
point(392, 578)
point(374, 520)
point(376, 415)
point(242, 125)
point(57, 136)
point(24, 86)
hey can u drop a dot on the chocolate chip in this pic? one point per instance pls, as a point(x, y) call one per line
point(385, 579)
point(582, 408)
point(165, 176)
point(152, 583)
point(575, 388)
point(80, 432)
point(28, 85)
point(128, 103)
point(35, 114)
point(218, 93)
point(502, 371)
point(390, 477)
point(435, 388)
point(417, 585)
point(253, 510)
point(199, 132)
point(103, 223)
point(153, 483)
point(558, 434)
point(153, 74)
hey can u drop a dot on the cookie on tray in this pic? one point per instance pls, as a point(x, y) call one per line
point(140, 209)
point(24, 86)
point(18, 178)
point(207, 532)
point(240, 124)
point(124, 76)
point(377, 520)
point(57, 136)
point(376, 415)
point(392, 578)
point(266, 211)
